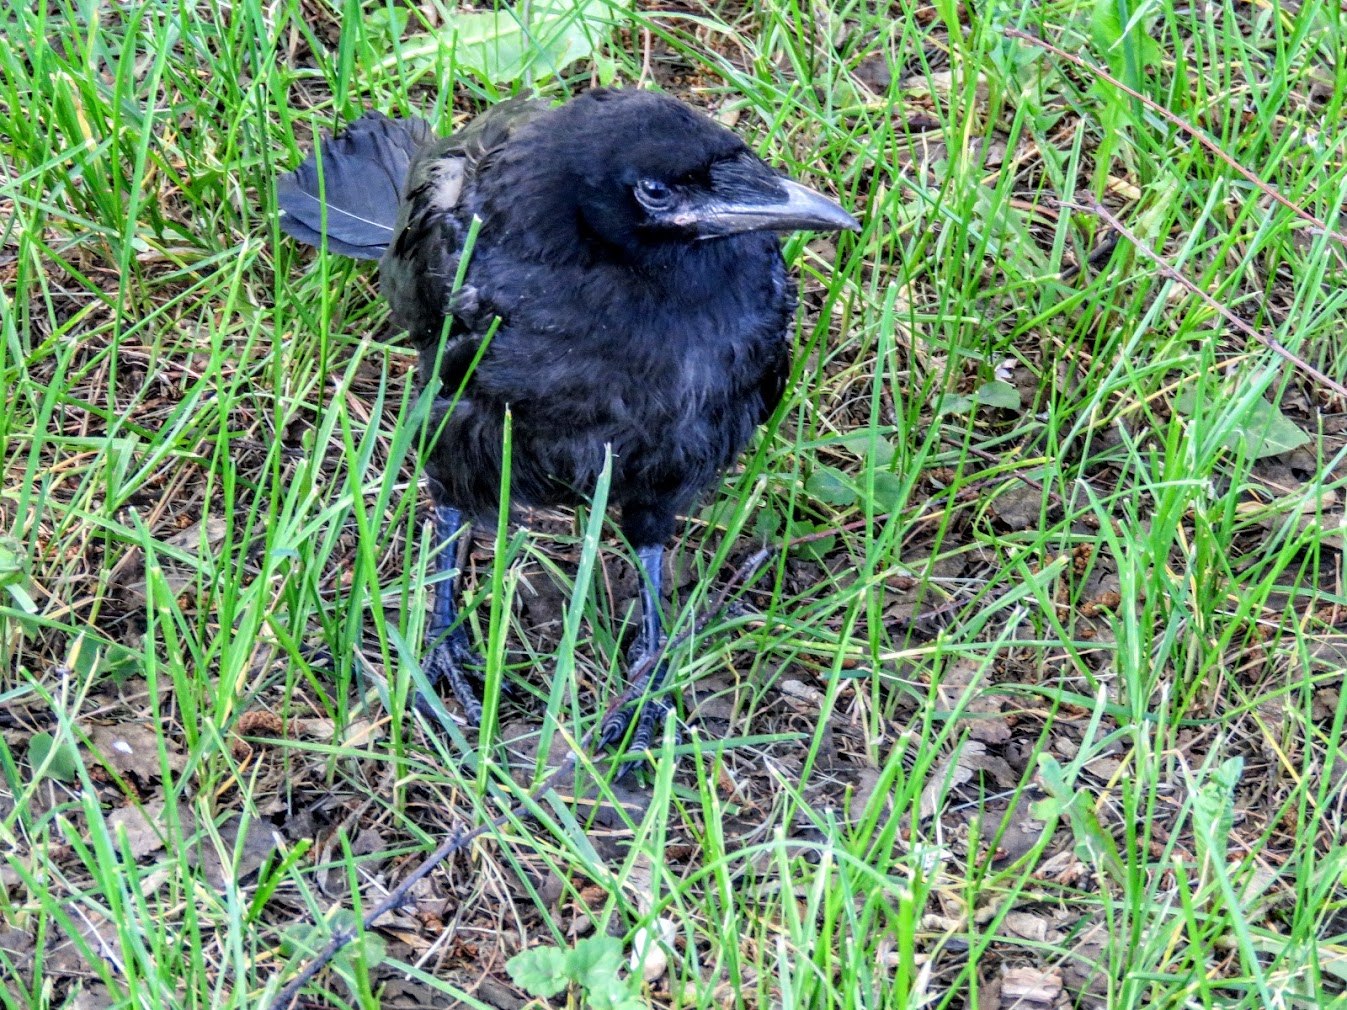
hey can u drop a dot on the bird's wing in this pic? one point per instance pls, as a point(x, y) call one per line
point(349, 189)
point(418, 270)
point(439, 168)
point(498, 124)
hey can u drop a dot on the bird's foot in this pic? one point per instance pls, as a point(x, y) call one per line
point(453, 660)
point(649, 719)
point(649, 716)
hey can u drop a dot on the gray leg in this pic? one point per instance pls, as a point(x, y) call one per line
point(449, 657)
point(647, 644)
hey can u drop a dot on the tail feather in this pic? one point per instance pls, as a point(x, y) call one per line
point(352, 184)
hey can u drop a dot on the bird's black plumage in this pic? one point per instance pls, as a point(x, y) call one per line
point(625, 269)
point(353, 194)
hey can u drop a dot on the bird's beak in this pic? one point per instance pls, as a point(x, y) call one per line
point(750, 197)
point(800, 209)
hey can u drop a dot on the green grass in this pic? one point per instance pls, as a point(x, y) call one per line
point(1045, 691)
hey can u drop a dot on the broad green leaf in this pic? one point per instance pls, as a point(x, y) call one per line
point(61, 760)
point(873, 447)
point(1076, 806)
point(888, 490)
point(1117, 41)
point(307, 940)
point(815, 550)
point(14, 573)
point(830, 486)
point(1214, 810)
point(13, 560)
point(1106, 25)
point(540, 971)
point(1266, 431)
point(372, 948)
point(614, 995)
point(766, 524)
point(1262, 431)
point(119, 662)
point(954, 405)
point(998, 394)
point(595, 959)
point(499, 47)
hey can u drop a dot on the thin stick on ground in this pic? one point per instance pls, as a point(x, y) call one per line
point(460, 838)
point(1112, 220)
point(1183, 125)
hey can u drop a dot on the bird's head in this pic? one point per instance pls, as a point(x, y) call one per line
point(643, 172)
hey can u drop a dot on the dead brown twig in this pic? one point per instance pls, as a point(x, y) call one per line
point(1093, 207)
point(1187, 127)
point(638, 677)
point(462, 837)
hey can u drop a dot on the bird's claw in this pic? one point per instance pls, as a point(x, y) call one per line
point(649, 716)
point(452, 659)
point(650, 719)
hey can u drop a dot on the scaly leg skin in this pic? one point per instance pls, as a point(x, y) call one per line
point(654, 710)
point(449, 657)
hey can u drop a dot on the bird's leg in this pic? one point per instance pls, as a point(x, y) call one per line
point(652, 603)
point(647, 675)
point(449, 657)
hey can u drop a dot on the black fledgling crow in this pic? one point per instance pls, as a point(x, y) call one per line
point(626, 247)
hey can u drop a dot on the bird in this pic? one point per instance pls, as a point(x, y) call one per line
point(608, 273)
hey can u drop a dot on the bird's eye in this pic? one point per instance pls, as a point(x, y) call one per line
point(653, 194)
